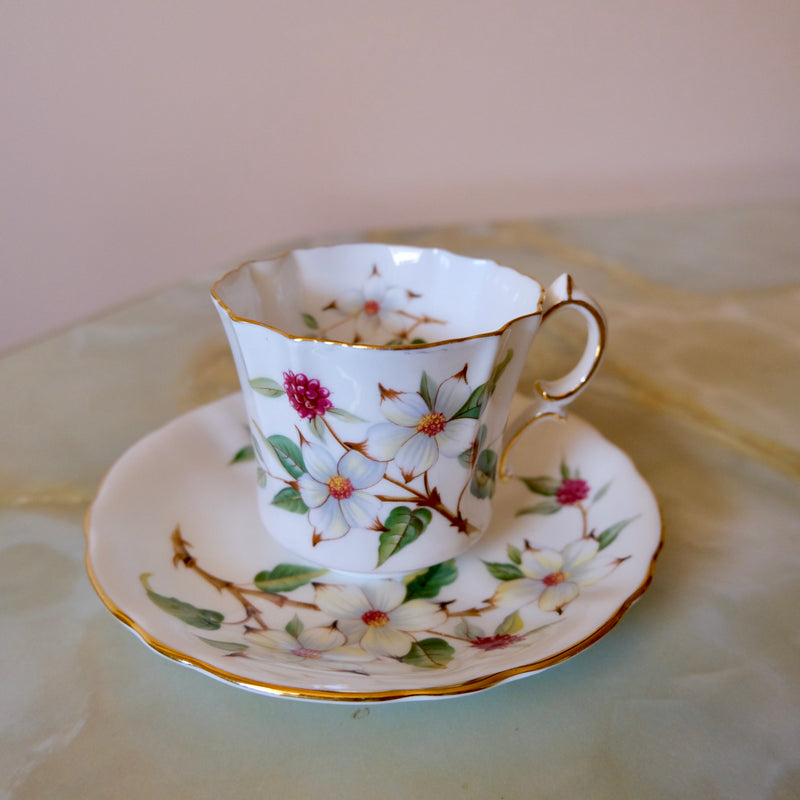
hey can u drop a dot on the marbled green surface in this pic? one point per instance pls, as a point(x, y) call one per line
point(695, 694)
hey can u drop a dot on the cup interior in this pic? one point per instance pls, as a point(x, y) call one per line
point(379, 295)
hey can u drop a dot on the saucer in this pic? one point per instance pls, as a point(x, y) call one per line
point(177, 552)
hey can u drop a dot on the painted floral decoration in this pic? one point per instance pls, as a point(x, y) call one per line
point(308, 398)
point(301, 614)
point(378, 313)
point(377, 616)
point(383, 483)
point(423, 424)
point(337, 493)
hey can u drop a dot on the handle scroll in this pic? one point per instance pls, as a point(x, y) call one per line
point(554, 395)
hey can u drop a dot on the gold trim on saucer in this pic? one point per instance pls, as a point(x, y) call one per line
point(277, 690)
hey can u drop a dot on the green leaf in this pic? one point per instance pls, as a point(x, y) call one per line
point(428, 583)
point(343, 415)
point(430, 654)
point(545, 507)
point(289, 454)
point(247, 453)
point(402, 527)
point(503, 572)
point(484, 477)
point(228, 647)
point(294, 627)
point(202, 618)
point(472, 407)
point(267, 387)
point(465, 458)
point(497, 372)
point(261, 477)
point(611, 533)
point(468, 630)
point(289, 499)
point(286, 578)
point(417, 340)
point(318, 428)
point(267, 446)
point(310, 321)
point(565, 473)
point(514, 554)
point(601, 492)
point(544, 485)
point(427, 389)
point(510, 625)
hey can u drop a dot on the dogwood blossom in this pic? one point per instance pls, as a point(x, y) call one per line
point(310, 644)
point(375, 305)
point(418, 432)
point(374, 616)
point(554, 578)
point(335, 492)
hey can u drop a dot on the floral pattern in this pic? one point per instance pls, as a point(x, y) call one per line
point(553, 578)
point(377, 616)
point(422, 425)
point(307, 397)
point(336, 493)
point(377, 313)
point(296, 613)
point(296, 643)
point(384, 483)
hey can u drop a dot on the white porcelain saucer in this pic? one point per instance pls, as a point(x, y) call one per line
point(177, 552)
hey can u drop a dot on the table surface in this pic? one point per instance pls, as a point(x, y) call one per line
point(696, 693)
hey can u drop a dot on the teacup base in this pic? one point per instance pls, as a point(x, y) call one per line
point(363, 549)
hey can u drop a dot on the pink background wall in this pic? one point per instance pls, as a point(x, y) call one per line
point(143, 142)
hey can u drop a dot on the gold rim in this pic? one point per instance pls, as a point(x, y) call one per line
point(601, 345)
point(504, 472)
point(295, 338)
point(278, 690)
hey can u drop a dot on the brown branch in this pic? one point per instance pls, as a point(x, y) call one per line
point(181, 555)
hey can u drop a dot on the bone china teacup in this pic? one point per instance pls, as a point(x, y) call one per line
point(378, 382)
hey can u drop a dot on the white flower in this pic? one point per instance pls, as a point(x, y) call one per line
point(418, 432)
point(334, 492)
point(375, 616)
point(310, 644)
point(375, 305)
point(554, 578)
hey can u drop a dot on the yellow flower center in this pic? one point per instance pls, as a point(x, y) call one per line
point(432, 423)
point(340, 487)
point(554, 578)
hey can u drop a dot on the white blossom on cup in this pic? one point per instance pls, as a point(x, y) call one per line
point(423, 425)
point(335, 491)
point(376, 304)
point(376, 312)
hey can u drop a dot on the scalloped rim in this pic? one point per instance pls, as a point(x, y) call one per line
point(448, 690)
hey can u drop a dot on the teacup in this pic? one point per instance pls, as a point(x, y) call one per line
point(378, 382)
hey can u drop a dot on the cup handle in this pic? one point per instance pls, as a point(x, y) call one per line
point(553, 396)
